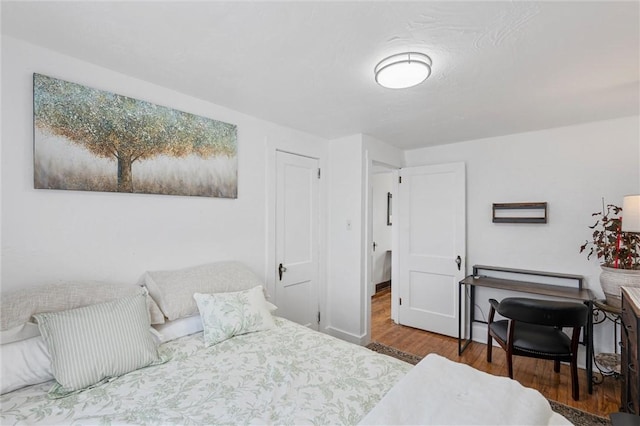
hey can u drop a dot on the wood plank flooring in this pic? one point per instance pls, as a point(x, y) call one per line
point(530, 372)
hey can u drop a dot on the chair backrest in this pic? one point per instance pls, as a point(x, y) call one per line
point(544, 312)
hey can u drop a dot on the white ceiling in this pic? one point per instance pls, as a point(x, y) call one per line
point(498, 67)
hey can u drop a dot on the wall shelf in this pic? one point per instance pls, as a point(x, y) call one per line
point(519, 212)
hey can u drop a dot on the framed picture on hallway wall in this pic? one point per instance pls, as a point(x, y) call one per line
point(91, 140)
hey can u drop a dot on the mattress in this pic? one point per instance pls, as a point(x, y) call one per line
point(286, 375)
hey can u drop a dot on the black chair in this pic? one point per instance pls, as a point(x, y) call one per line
point(533, 328)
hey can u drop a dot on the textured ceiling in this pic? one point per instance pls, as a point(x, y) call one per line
point(498, 67)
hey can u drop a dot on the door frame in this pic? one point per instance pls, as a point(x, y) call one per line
point(395, 244)
point(270, 191)
point(368, 241)
point(392, 171)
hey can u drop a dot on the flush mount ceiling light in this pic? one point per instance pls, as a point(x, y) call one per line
point(403, 70)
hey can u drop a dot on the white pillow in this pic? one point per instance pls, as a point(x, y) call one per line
point(173, 290)
point(270, 306)
point(181, 327)
point(91, 344)
point(225, 315)
point(18, 306)
point(24, 363)
point(24, 331)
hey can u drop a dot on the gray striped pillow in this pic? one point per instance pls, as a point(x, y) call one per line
point(97, 342)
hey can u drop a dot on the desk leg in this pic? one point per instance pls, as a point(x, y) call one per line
point(469, 322)
point(589, 347)
point(472, 310)
point(460, 290)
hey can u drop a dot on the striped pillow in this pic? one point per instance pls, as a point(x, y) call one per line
point(91, 344)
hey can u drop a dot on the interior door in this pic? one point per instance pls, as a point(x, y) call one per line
point(296, 268)
point(431, 220)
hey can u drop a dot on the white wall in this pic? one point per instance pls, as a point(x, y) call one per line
point(351, 163)
point(345, 236)
point(50, 236)
point(571, 168)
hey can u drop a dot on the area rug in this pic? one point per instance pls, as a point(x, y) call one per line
point(575, 416)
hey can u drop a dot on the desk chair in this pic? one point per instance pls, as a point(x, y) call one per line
point(533, 328)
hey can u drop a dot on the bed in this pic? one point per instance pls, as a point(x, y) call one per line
point(282, 373)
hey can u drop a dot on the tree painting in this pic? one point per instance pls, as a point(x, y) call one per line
point(92, 140)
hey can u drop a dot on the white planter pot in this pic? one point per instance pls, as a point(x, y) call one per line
point(612, 279)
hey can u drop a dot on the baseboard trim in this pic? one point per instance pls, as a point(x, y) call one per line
point(349, 337)
point(383, 285)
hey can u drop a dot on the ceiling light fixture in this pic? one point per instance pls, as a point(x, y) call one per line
point(403, 70)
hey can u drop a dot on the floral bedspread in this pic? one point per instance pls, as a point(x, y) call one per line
point(287, 375)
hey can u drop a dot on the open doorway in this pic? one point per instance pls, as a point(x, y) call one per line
point(381, 254)
point(382, 222)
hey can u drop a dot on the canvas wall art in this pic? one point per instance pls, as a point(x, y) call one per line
point(91, 140)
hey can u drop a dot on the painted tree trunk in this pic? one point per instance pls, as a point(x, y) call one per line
point(125, 180)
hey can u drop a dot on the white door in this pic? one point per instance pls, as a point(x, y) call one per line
point(431, 220)
point(296, 260)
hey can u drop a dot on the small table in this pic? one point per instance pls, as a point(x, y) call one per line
point(608, 364)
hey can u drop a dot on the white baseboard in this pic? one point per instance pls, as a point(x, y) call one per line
point(349, 337)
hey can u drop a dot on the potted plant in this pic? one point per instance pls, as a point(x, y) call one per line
point(618, 251)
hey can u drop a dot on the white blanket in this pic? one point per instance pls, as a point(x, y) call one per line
point(438, 391)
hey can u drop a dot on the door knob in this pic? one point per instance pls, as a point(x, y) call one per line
point(459, 262)
point(281, 269)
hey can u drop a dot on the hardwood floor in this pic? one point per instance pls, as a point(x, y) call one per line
point(530, 372)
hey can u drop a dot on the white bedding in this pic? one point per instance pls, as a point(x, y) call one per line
point(287, 375)
point(442, 392)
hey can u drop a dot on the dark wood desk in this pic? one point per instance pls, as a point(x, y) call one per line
point(573, 293)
